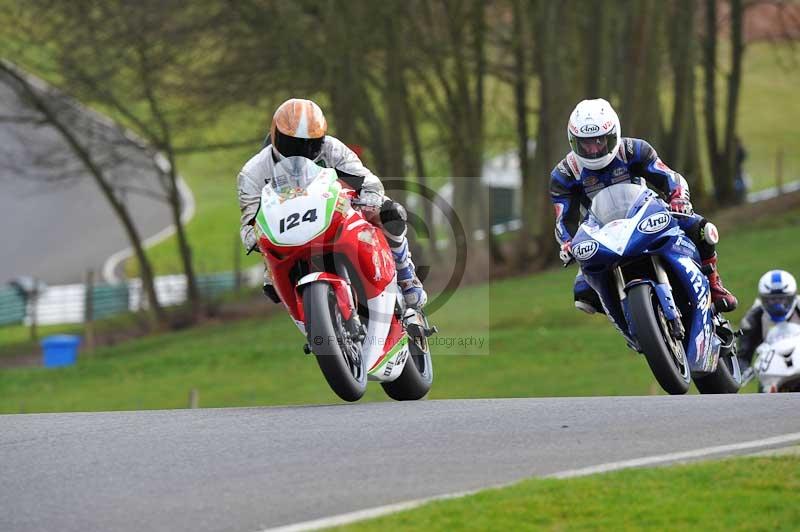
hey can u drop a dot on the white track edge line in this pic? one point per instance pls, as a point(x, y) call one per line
point(379, 511)
point(677, 457)
point(111, 263)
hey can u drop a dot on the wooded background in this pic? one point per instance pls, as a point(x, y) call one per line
point(416, 83)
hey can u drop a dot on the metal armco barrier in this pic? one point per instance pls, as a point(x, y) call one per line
point(12, 307)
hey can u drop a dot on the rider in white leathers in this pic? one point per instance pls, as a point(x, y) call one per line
point(777, 302)
point(298, 129)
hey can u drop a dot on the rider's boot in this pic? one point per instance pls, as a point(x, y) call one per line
point(413, 292)
point(586, 299)
point(724, 301)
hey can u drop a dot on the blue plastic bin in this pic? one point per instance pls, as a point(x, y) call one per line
point(60, 350)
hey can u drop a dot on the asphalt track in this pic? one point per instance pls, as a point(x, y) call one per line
point(54, 222)
point(246, 470)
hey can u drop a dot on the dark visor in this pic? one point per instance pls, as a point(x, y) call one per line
point(297, 147)
point(777, 305)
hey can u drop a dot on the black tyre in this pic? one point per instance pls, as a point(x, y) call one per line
point(338, 356)
point(417, 377)
point(665, 355)
point(720, 380)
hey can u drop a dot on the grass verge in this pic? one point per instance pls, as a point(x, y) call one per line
point(735, 494)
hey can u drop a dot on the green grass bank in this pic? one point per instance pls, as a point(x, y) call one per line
point(526, 340)
point(736, 494)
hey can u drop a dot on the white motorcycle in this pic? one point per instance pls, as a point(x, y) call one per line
point(777, 364)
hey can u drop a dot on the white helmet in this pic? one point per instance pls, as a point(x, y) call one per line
point(777, 290)
point(593, 133)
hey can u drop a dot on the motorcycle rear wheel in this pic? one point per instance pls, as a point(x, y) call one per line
point(415, 381)
point(343, 368)
point(670, 369)
point(720, 380)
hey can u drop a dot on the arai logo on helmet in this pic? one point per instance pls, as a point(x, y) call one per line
point(589, 129)
point(655, 223)
point(585, 250)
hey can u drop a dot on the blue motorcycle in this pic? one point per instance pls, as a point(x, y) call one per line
point(647, 273)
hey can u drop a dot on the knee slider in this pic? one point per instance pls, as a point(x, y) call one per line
point(393, 218)
point(709, 233)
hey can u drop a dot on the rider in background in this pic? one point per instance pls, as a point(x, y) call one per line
point(777, 302)
point(601, 157)
point(298, 129)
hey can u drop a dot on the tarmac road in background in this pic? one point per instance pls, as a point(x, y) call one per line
point(57, 230)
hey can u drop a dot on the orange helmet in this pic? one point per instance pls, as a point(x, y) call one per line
point(298, 129)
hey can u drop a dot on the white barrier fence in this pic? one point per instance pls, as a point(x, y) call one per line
point(67, 303)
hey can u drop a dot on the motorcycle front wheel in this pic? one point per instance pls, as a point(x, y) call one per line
point(665, 355)
point(337, 353)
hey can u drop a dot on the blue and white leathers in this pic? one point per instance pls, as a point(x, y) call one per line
point(630, 237)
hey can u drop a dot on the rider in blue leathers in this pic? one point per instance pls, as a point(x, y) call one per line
point(601, 157)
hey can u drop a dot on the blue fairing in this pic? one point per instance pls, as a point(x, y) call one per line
point(657, 232)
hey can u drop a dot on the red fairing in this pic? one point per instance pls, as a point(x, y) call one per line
point(374, 260)
point(352, 236)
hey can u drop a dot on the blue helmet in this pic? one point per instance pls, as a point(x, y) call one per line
point(777, 290)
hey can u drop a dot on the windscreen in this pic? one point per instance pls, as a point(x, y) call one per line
point(294, 173)
point(782, 331)
point(616, 202)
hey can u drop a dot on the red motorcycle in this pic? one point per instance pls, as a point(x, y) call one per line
point(335, 274)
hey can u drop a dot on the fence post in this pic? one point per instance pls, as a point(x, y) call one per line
point(779, 170)
point(33, 310)
point(194, 398)
point(88, 311)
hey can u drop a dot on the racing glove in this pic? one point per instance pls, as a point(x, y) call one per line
point(370, 202)
point(679, 202)
point(249, 239)
point(369, 198)
point(566, 252)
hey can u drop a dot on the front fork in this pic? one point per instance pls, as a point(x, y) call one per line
point(354, 327)
point(664, 294)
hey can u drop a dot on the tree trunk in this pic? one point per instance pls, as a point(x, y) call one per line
point(341, 68)
point(422, 179)
point(680, 148)
point(734, 86)
point(478, 20)
point(185, 250)
point(598, 22)
point(721, 189)
point(394, 102)
point(640, 109)
point(527, 185)
point(556, 97)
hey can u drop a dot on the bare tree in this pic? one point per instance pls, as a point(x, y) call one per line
point(137, 61)
point(94, 147)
